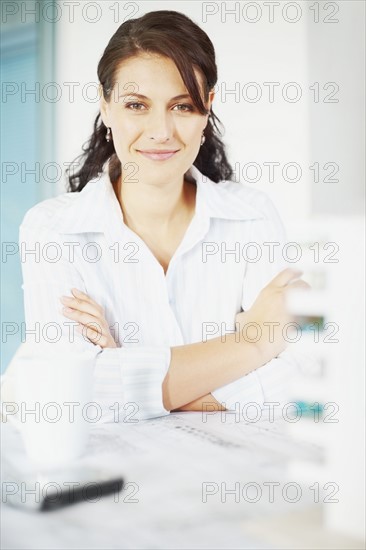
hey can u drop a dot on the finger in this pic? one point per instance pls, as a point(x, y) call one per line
point(80, 305)
point(91, 334)
point(300, 284)
point(80, 294)
point(84, 318)
point(86, 298)
point(286, 276)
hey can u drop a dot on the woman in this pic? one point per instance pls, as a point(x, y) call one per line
point(147, 259)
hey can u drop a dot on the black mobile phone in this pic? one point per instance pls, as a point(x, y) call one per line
point(86, 491)
point(47, 490)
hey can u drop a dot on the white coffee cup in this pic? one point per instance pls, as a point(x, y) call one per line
point(55, 381)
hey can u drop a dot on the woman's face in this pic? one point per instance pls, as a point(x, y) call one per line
point(157, 121)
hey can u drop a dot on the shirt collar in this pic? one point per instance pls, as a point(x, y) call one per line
point(91, 208)
point(225, 199)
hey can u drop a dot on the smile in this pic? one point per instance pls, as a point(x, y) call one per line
point(158, 156)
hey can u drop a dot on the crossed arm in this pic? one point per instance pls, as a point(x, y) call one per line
point(195, 371)
point(198, 369)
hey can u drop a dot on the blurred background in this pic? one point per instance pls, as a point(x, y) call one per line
point(291, 98)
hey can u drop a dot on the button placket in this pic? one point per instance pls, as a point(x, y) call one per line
point(197, 230)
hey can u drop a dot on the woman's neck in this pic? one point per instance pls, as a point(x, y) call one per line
point(147, 207)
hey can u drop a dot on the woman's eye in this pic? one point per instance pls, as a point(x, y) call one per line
point(184, 107)
point(129, 105)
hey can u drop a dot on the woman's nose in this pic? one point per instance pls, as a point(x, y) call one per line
point(160, 127)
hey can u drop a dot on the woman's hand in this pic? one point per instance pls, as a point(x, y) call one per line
point(90, 317)
point(268, 316)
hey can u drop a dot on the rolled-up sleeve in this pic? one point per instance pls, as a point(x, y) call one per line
point(122, 376)
point(128, 382)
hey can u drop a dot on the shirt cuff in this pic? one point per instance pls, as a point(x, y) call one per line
point(243, 391)
point(267, 384)
point(128, 383)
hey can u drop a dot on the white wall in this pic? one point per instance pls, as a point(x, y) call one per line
point(337, 54)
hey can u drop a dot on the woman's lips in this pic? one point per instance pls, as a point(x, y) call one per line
point(158, 156)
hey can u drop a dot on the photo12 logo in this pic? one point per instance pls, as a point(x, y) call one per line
point(270, 491)
point(270, 12)
point(67, 11)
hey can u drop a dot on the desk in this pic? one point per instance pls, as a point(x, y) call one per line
point(176, 469)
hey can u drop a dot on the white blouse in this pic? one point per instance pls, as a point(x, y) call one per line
point(230, 251)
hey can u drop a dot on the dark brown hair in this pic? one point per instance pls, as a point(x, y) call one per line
point(170, 34)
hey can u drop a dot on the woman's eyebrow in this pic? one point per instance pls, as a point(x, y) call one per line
point(181, 96)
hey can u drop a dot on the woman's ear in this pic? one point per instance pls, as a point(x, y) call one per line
point(103, 105)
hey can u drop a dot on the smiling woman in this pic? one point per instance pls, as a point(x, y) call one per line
point(159, 58)
point(172, 330)
point(161, 138)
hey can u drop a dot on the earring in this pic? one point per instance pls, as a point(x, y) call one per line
point(203, 138)
point(108, 134)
